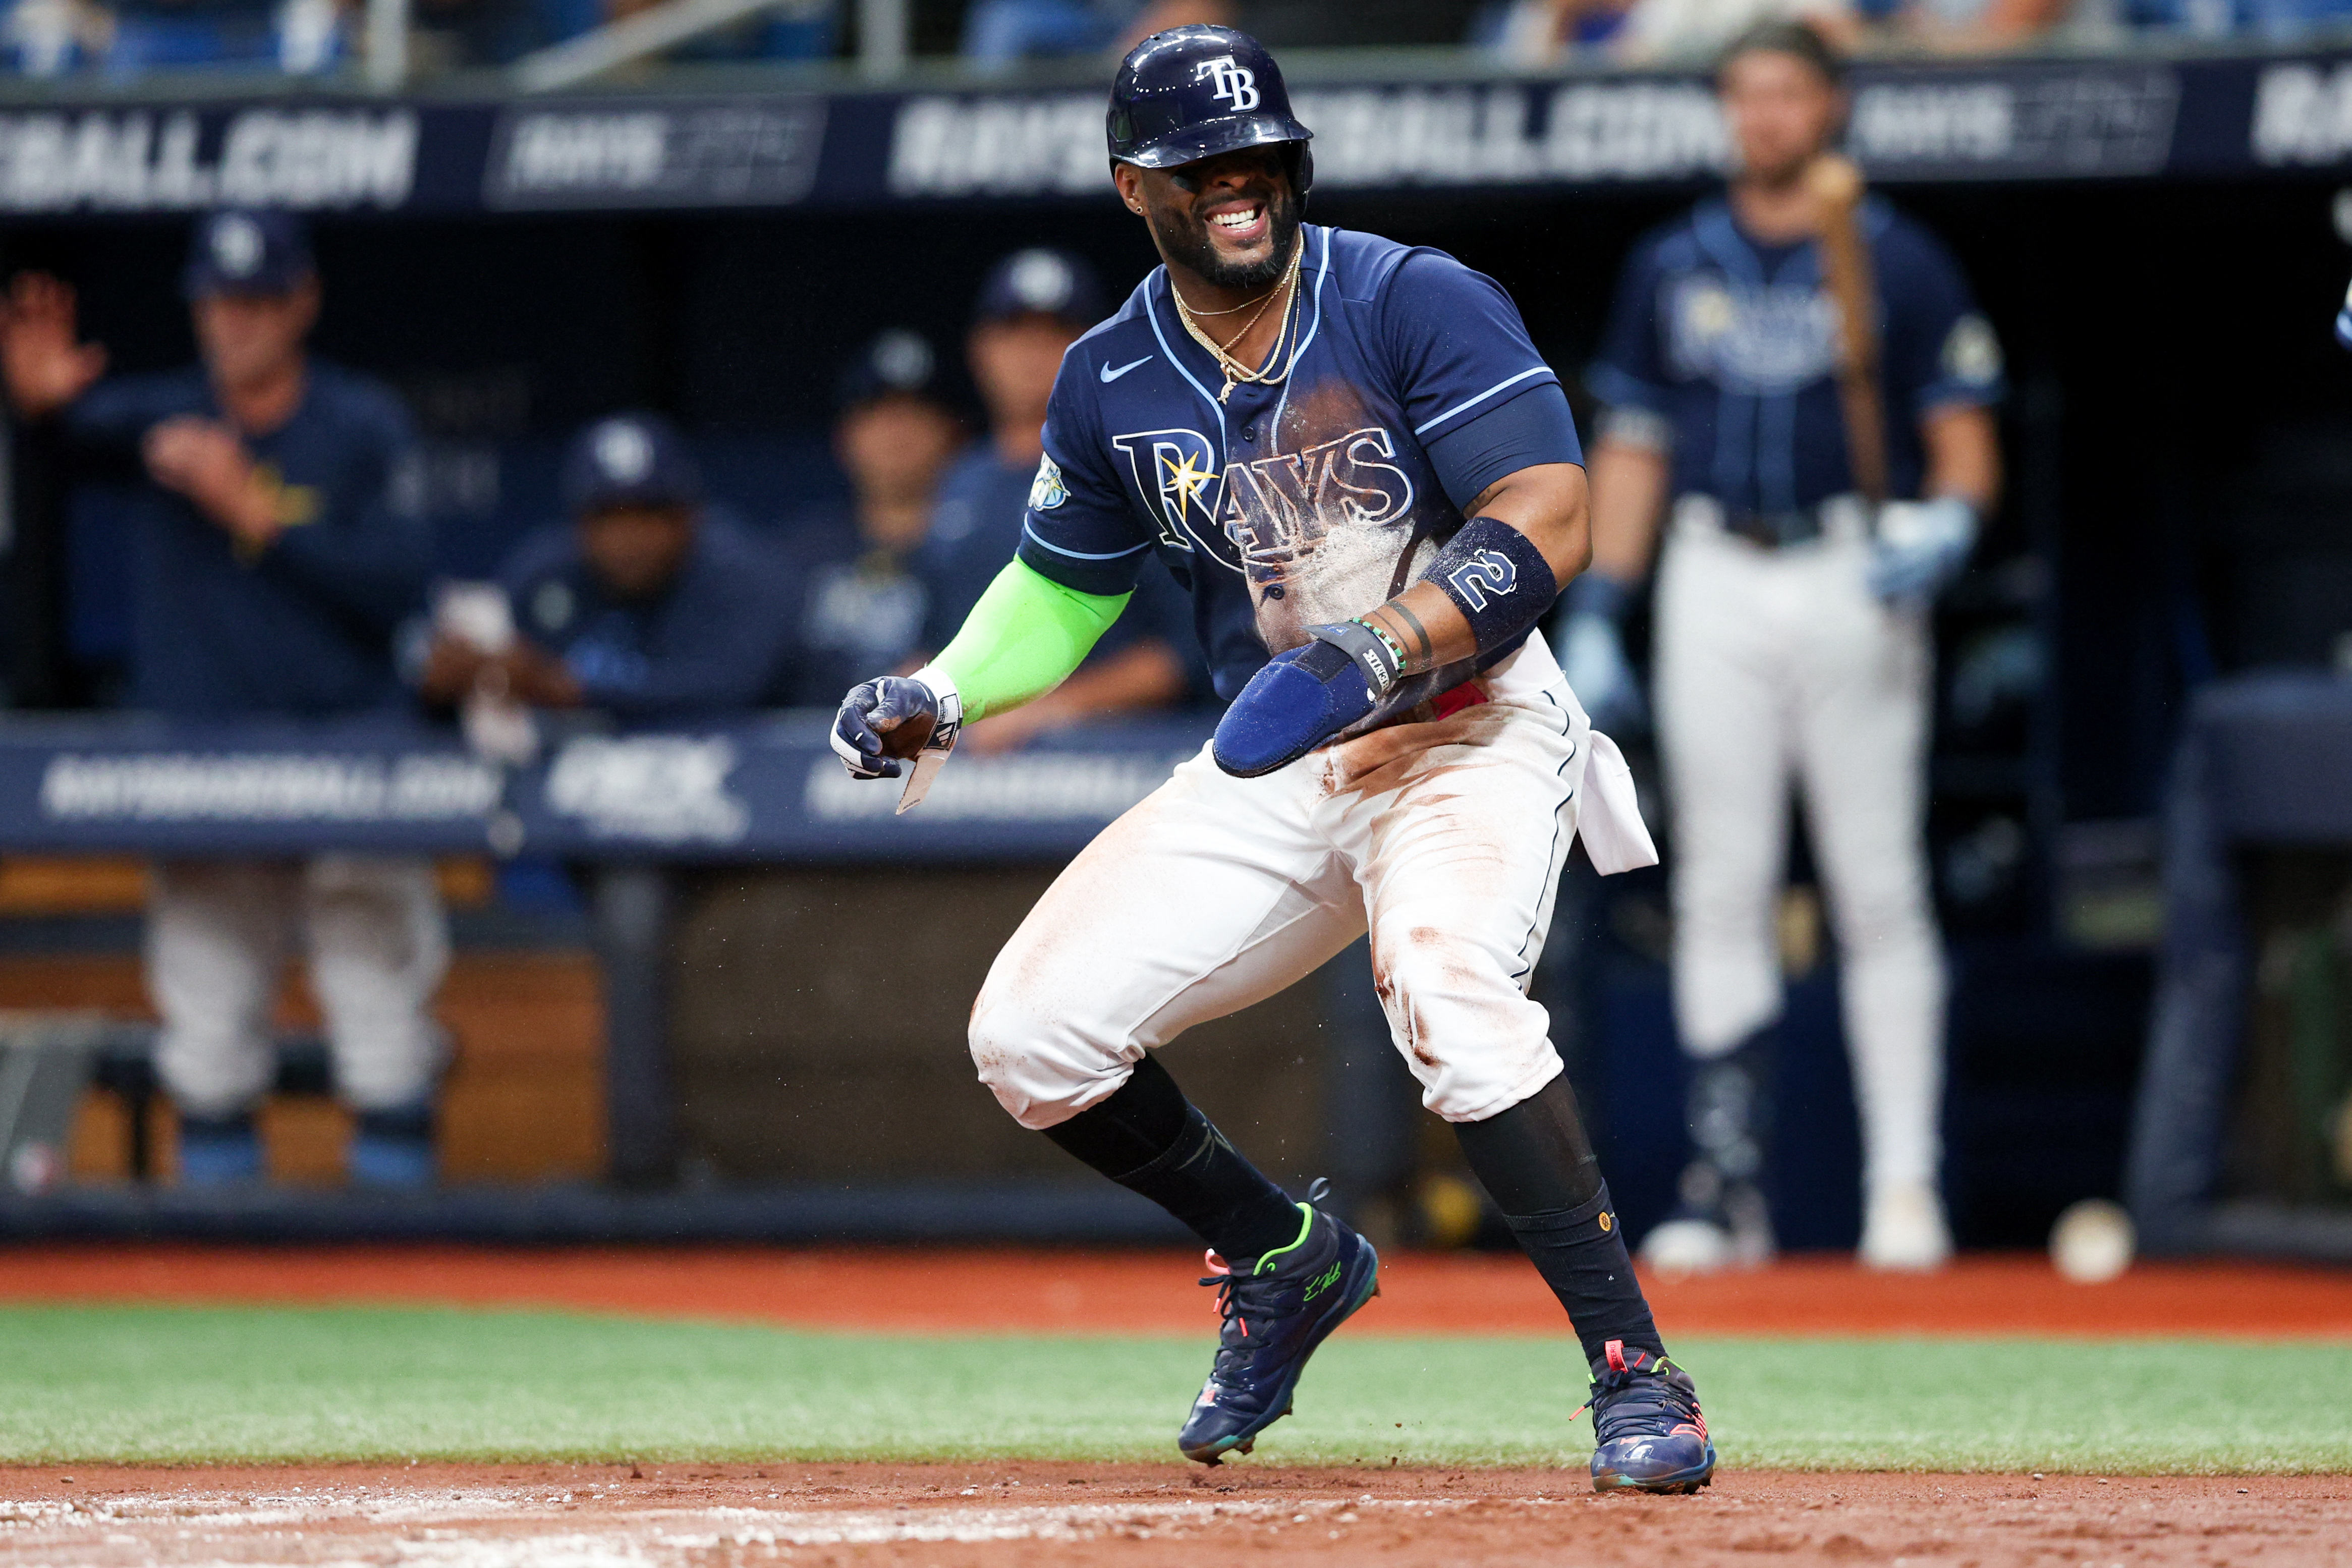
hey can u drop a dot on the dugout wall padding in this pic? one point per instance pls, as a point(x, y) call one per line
point(817, 1023)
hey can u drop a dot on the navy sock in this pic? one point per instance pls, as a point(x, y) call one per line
point(1536, 1164)
point(1581, 1253)
point(1151, 1139)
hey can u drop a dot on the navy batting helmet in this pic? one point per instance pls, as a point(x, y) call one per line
point(1194, 93)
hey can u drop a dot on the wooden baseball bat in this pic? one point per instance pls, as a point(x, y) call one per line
point(1836, 185)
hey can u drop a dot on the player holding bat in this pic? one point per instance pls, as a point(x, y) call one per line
point(1799, 389)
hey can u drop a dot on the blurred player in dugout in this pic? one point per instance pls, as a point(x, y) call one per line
point(1791, 635)
point(864, 603)
point(270, 571)
point(889, 583)
point(651, 604)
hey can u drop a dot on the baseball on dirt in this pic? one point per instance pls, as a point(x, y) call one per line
point(2093, 1241)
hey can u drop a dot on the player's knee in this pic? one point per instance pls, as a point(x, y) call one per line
point(1030, 1061)
point(1893, 913)
point(1469, 1033)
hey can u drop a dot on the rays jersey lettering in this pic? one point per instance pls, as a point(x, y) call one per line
point(1727, 348)
point(1175, 473)
point(1285, 505)
point(1761, 340)
point(1279, 508)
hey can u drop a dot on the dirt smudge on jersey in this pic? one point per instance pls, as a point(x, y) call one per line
point(1323, 517)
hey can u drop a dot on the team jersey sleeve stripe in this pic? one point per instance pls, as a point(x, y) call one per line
point(1079, 554)
point(1467, 405)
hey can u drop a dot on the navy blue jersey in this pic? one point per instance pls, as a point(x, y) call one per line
point(860, 610)
point(305, 627)
point(716, 640)
point(1732, 345)
point(1309, 501)
point(976, 527)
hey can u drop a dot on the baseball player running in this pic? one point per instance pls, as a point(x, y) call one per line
point(1792, 632)
point(1351, 454)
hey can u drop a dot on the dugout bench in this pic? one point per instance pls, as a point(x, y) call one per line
point(668, 835)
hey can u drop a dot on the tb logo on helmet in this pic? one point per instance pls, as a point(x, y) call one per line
point(1237, 84)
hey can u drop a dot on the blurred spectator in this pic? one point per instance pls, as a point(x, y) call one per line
point(792, 29)
point(270, 572)
point(651, 604)
point(1033, 305)
point(865, 604)
point(297, 36)
point(50, 37)
point(1538, 32)
point(1316, 24)
point(999, 32)
point(1686, 30)
point(1980, 27)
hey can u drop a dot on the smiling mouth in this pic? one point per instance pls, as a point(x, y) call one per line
point(1240, 224)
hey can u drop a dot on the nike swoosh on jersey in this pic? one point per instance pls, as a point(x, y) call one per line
point(1110, 376)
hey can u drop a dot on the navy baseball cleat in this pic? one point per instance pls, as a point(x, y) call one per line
point(1646, 1422)
point(1277, 1308)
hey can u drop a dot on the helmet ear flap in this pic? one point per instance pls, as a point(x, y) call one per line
point(1302, 169)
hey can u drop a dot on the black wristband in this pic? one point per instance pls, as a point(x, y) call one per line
point(1373, 653)
point(1496, 578)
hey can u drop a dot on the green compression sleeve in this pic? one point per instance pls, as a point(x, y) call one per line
point(1022, 639)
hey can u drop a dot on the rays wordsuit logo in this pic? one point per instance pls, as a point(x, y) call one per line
point(1277, 509)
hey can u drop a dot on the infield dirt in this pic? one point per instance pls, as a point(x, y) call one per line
point(1139, 1516)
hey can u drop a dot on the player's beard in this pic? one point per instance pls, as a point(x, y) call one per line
point(1193, 245)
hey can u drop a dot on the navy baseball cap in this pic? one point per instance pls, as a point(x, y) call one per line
point(1041, 282)
point(243, 251)
point(630, 459)
point(899, 362)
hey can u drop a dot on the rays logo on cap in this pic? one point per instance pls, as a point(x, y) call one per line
point(1041, 281)
point(1237, 84)
point(624, 452)
point(237, 245)
point(901, 359)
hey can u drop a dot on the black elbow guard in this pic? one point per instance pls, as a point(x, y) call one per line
point(1496, 578)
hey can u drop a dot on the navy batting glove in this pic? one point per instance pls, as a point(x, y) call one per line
point(874, 709)
point(1303, 698)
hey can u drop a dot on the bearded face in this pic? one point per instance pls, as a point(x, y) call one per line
point(1232, 219)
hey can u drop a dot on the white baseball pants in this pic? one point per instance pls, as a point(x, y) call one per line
point(219, 933)
point(1780, 666)
point(1446, 838)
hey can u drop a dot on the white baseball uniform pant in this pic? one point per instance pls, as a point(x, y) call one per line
point(1776, 665)
point(1446, 838)
point(219, 933)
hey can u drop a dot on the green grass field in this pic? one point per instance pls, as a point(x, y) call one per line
point(179, 1385)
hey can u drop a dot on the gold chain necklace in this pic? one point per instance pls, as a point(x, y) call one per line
point(1235, 371)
